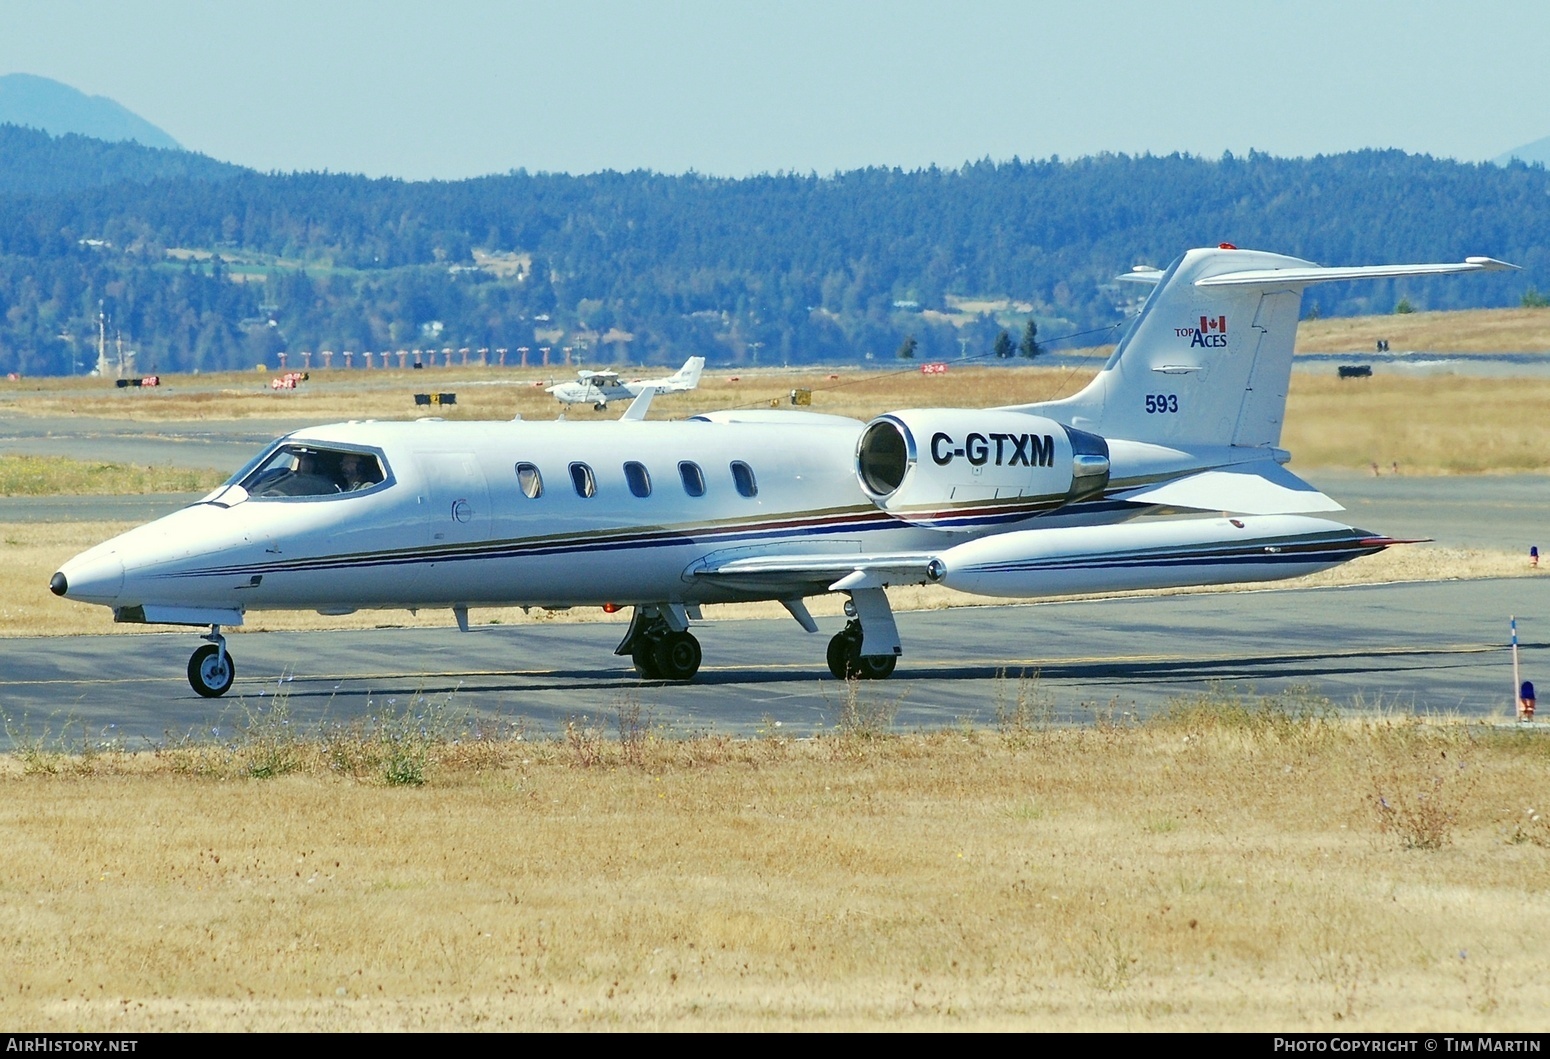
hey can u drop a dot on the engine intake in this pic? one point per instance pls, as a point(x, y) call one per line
point(952, 467)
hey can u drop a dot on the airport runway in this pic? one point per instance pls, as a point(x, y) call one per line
point(1425, 648)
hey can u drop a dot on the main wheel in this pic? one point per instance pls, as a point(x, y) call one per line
point(644, 657)
point(844, 649)
point(677, 656)
point(208, 674)
point(875, 667)
point(846, 660)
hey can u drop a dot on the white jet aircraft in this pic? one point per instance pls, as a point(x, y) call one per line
point(597, 388)
point(1164, 471)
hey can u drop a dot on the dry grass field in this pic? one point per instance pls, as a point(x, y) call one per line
point(1238, 864)
point(1465, 331)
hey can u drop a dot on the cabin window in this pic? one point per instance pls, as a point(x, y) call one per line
point(582, 478)
point(310, 470)
point(742, 477)
point(638, 478)
point(530, 481)
point(693, 478)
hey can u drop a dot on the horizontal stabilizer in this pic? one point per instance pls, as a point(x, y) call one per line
point(1295, 276)
point(1259, 488)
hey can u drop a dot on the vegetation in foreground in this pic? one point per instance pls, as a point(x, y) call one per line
point(1237, 863)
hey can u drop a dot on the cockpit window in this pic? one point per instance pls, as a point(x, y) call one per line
point(299, 469)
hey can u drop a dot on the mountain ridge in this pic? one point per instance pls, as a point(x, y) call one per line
point(57, 108)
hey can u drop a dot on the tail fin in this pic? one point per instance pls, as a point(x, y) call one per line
point(688, 376)
point(1208, 360)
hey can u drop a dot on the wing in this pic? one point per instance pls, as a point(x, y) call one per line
point(811, 574)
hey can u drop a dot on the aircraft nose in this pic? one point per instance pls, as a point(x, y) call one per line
point(90, 578)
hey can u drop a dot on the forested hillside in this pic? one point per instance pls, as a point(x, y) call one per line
point(202, 265)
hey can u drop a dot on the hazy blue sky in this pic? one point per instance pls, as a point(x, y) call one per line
point(462, 87)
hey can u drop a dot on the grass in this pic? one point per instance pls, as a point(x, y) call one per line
point(1464, 331)
point(1441, 424)
point(61, 476)
point(1230, 866)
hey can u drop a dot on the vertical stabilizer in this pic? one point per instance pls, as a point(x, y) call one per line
point(688, 376)
point(1208, 360)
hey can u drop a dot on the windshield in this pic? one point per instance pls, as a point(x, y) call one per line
point(297, 469)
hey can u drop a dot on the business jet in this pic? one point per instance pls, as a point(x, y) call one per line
point(1164, 471)
point(597, 388)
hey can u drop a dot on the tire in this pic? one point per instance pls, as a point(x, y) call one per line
point(643, 655)
point(875, 667)
point(207, 676)
point(842, 651)
point(846, 660)
point(677, 656)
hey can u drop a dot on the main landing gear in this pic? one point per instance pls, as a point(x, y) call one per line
point(211, 669)
point(660, 645)
point(847, 661)
point(868, 647)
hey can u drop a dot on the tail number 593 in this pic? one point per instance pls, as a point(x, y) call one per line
point(1161, 402)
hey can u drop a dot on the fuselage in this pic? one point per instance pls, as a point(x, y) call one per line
point(618, 513)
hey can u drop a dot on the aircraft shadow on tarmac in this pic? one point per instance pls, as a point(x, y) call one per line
point(1247, 668)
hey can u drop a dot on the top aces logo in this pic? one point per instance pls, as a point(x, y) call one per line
point(1212, 332)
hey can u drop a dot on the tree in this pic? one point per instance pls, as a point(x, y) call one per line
point(1404, 307)
point(907, 348)
point(1029, 346)
point(1003, 348)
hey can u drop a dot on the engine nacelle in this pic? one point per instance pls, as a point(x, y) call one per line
point(952, 467)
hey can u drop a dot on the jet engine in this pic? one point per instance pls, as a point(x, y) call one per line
point(945, 466)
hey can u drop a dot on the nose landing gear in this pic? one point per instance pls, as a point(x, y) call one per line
point(211, 669)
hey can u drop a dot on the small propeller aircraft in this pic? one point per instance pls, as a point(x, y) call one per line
point(597, 388)
point(1163, 471)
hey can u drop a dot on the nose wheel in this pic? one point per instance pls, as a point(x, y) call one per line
point(210, 668)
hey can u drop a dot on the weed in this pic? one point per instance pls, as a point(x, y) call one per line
point(268, 745)
point(1418, 790)
point(862, 716)
point(584, 740)
point(1108, 960)
point(72, 749)
point(399, 746)
point(1296, 715)
point(1027, 712)
point(633, 731)
point(1529, 826)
